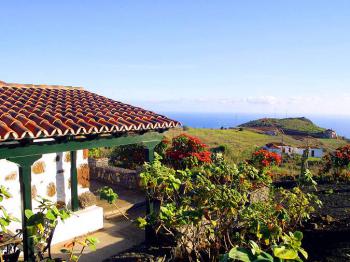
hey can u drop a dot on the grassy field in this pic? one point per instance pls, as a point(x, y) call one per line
point(240, 144)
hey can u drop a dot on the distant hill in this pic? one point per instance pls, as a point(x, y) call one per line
point(300, 126)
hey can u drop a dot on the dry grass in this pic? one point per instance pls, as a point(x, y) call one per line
point(87, 199)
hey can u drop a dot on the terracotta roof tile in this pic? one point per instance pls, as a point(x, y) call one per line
point(35, 111)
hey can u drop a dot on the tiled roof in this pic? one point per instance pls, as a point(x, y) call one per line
point(37, 111)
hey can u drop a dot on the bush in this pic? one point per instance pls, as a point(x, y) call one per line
point(187, 152)
point(264, 158)
point(162, 147)
point(100, 152)
point(128, 156)
point(338, 163)
point(87, 199)
point(207, 210)
point(185, 128)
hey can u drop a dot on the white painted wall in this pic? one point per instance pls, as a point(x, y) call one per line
point(51, 174)
point(318, 152)
point(88, 220)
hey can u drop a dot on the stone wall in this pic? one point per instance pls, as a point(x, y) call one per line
point(100, 170)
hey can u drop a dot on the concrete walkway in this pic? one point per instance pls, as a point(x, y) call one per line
point(119, 233)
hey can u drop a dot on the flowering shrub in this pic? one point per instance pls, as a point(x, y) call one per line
point(161, 148)
point(341, 157)
point(187, 151)
point(338, 162)
point(264, 158)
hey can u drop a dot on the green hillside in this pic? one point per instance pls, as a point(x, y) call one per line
point(240, 143)
point(300, 124)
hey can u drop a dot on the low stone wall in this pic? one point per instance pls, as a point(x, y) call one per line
point(100, 170)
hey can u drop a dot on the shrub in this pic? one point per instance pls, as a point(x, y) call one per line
point(87, 199)
point(162, 147)
point(100, 152)
point(264, 158)
point(206, 210)
point(338, 163)
point(128, 156)
point(187, 151)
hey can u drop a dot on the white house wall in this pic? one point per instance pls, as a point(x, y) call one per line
point(55, 172)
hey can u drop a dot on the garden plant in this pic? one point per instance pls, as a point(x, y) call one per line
point(204, 208)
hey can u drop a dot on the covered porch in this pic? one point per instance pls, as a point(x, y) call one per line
point(40, 120)
point(25, 155)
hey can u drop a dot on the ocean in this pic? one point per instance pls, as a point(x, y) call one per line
point(341, 124)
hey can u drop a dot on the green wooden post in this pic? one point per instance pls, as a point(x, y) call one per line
point(150, 146)
point(25, 171)
point(74, 181)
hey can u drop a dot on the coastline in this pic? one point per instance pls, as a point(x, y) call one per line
point(341, 124)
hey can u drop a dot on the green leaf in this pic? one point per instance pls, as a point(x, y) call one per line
point(240, 254)
point(4, 222)
point(303, 252)
point(50, 215)
point(298, 235)
point(141, 222)
point(28, 213)
point(285, 253)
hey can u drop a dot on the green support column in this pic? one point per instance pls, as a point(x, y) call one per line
point(150, 150)
point(25, 171)
point(74, 181)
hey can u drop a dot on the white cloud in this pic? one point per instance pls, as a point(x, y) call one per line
point(264, 100)
point(297, 105)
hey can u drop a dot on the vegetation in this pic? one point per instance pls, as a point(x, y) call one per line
point(87, 199)
point(128, 156)
point(72, 248)
point(207, 209)
point(337, 164)
point(239, 145)
point(187, 151)
point(300, 124)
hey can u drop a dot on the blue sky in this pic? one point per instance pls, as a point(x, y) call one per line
point(219, 56)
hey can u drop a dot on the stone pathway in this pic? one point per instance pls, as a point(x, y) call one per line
point(119, 233)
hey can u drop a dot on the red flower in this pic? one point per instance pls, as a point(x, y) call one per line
point(183, 147)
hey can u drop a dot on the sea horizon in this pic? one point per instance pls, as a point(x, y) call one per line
point(341, 124)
